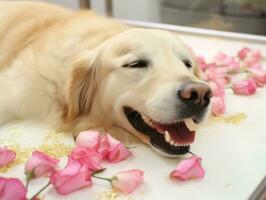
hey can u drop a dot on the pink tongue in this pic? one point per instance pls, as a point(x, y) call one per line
point(179, 132)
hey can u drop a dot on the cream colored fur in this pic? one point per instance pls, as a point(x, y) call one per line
point(65, 69)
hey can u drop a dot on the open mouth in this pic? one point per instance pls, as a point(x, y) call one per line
point(171, 139)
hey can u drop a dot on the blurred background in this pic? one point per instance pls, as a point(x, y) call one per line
point(245, 16)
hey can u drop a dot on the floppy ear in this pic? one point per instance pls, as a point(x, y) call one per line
point(81, 87)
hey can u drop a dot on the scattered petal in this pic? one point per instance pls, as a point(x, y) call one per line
point(127, 181)
point(202, 63)
point(218, 105)
point(258, 75)
point(12, 189)
point(88, 157)
point(6, 156)
point(217, 89)
point(40, 164)
point(221, 59)
point(73, 177)
point(242, 54)
point(189, 168)
point(88, 139)
point(244, 87)
point(112, 149)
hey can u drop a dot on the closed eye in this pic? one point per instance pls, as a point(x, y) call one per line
point(187, 63)
point(137, 64)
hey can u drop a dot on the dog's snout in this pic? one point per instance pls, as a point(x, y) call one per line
point(195, 94)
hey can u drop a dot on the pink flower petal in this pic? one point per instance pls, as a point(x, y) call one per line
point(88, 139)
point(242, 54)
point(88, 157)
point(127, 181)
point(12, 189)
point(40, 164)
point(6, 156)
point(253, 59)
point(245, 87)
point(112, 149)
point(256, 55)
point(73, 177)
point(258, 75)
point(218, 105)
point(217, 89)
point(189, 168)
point(233, 66)
point(202, 63)
point(215, 73)
point(221, 59)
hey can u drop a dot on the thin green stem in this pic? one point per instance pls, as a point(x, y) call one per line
point(27, 184)
point(133, 147)
point(40, 191)
point(98, 171)
point(102, 178)
point(29, 176)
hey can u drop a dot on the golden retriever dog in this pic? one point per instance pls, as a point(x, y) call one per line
point(76, 71)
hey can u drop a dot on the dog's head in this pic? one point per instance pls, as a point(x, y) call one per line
point(147, 82)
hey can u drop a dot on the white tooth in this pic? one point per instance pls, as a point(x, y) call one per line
point(190, 124)
point(172, 142)
point(145, 118)
point(167, 136)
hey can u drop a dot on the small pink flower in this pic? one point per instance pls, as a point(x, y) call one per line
point(88, 157)
point(12, 189)
point(127, 181)
point(73, 177)
point(256, 55)
point(233, 66)
point(256, 66)
point(202, 63)
point(218, 105)
point(40, 164)
point(242, 54)
point(251, 63)
point(88, 139)
point(252, 59)
point(258, 75)
point(209, 74)
point(222, 82)
point(214, 73)
point(217, 88)
point(245, 87)
point(189, 168)
point(112, 149)
point(6, 156)
point(221, 59)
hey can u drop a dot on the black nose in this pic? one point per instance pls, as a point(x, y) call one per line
point(195, 94)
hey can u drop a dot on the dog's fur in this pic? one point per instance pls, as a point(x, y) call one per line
point(65, 68)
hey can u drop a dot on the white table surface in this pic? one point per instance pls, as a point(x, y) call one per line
point(234, 156)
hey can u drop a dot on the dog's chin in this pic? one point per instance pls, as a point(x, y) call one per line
point(170, 140)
